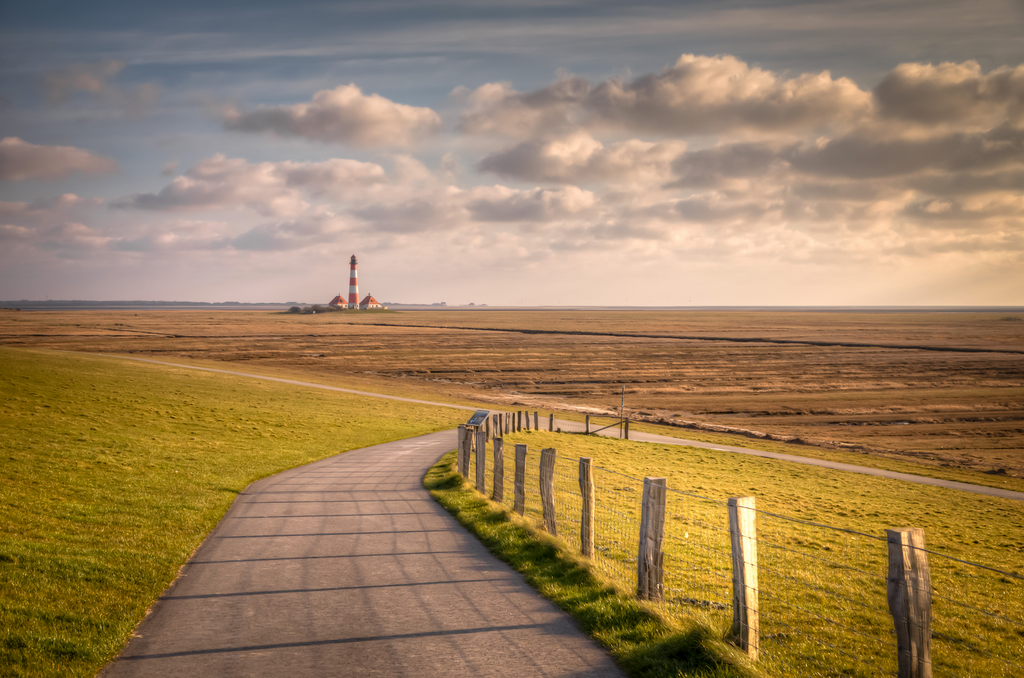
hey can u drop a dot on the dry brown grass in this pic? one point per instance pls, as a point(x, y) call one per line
point(947, 406)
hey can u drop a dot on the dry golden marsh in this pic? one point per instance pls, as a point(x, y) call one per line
point(941, 389)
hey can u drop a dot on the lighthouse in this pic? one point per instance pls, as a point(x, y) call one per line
point(353, 284)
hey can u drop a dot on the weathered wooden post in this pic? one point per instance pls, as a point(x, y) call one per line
point(526, 420)
point(547, 489)
point(481, 460)
point(551, 422)
point(498, 494)
point(519, 420)
point(746, 625)
point(536, 423)
point(461, 464)
point(520, 480)
point(587, 517)
point(627, 429)
point(588, 424)
point(909, 591)
point(487, 427)
point(650, 579)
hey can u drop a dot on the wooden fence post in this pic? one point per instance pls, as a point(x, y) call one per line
point(520, 480)
point(650, 579)
point(909, 591)
point(498, 494)
point(743, 534)
point(547, 489)
point(587, 517)
point(519, 420)
point(588, 423)
point(487, 427)
point(627, 430)
point(551, 422)
point(460, 465)
point(481, 460)
point(536, 423)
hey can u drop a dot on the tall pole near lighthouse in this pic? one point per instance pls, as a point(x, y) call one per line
point(353, 285)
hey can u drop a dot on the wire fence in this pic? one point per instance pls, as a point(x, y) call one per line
point(821, 592)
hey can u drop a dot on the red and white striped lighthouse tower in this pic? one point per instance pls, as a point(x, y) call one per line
point(353, 285)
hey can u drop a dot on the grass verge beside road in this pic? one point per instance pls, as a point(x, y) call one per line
point(115, 471)
point(643, 642)
point(822, 589)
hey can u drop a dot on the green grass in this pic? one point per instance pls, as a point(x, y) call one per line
point(644, 643)
point(823, 600)
point(943, 472)
point(113, 473)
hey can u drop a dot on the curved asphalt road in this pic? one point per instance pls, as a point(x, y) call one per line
point(654, 438)
point(348, 567)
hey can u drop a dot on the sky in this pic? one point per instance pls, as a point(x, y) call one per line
point(520, 153)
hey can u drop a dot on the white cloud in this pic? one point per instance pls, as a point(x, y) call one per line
point(20, 160)
point(578, 158)
point(696, 95)
point(269, 188)
point(341, 115)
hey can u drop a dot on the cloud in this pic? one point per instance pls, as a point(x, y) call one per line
point(20, 160)
point(96, 80)
point(729, 166)
point(499, 203)
point(419, 214)
point(45, 212)
point(269, 188)
point(579, 158)
point(696, 95)
point(701, 94)
point(341, 115)
point(92, 78)
point(180, 235)
point(953, 94)
point(291, 235)
point(496, 107)
point(859, 156)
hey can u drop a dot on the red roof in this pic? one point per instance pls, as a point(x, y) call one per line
point(369, 301)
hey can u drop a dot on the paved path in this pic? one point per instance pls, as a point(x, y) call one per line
point(348, 567)
point(654, 438)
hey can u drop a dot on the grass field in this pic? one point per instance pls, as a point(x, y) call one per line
point(936, 408)
point(823, 603)
point(117, 470)
point(113, 473)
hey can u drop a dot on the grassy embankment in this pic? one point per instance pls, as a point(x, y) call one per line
point(823, 591)
point(644, 642)
point(113, 473)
